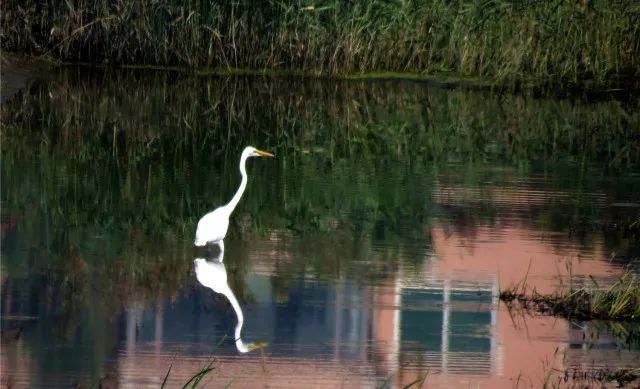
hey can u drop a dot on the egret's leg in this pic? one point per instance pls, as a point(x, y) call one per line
point(219, 258)
point(221, 245)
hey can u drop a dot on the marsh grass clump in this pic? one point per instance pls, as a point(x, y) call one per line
point(620, 302)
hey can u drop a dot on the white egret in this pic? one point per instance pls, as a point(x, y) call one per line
point(212, 227)
point(213, 274)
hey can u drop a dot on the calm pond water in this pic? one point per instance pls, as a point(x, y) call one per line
point(368, 253)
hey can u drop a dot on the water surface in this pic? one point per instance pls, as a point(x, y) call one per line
point(369, 253)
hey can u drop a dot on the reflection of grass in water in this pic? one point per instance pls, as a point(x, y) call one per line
point(70, 275)
point(179, 120)
point(595, 375)
point(417, 383)
point(154, 139)
point(142, 275)
point(625, 334)
point(576, 377)
point(98, 157)
point(621, 301)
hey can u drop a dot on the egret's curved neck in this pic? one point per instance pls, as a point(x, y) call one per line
point(231, 205)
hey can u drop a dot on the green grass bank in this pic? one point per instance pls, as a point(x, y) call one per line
point(561, 44)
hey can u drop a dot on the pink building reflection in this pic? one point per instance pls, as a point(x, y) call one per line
point(440, 318)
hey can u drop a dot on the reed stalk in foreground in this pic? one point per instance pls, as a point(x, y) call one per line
point(620, 302)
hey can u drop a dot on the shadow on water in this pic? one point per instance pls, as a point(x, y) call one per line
point(372, 247)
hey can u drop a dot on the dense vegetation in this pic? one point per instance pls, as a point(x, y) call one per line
point(567, 43)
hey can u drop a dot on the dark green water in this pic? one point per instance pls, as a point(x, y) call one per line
point(370, 249)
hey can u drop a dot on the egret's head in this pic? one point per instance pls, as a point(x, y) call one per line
point(251, 151)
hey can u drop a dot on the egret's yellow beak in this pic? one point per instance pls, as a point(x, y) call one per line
point(264, 154)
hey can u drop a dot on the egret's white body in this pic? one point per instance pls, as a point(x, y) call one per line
point(213, 274)
point(212, 227)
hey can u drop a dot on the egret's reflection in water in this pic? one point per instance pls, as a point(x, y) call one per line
point(213, 274)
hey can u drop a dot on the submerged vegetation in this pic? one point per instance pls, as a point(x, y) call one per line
point(621, 301)
point(557, 44)
point(575, 378)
